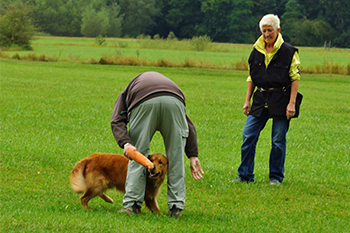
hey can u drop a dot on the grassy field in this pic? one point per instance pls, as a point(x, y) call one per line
point(222, 55)
point(54, 114)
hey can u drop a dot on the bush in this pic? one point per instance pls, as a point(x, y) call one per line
point(307, 32)
point(156, 37)
point(343, 41)
point(171, 36)
point(143, 37)
point(200, 42)
point(17, 27)
point(100, 40)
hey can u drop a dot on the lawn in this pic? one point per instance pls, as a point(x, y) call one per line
point(216, 54)
point(54, 114)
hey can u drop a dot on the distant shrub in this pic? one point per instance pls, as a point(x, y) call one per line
point(327, 67)
point(241, 65)
point(100, 40)
point(16, 57)
point(189, 63)
point(120, 44)
point(156, 37)
point(17, 28)
point(122, 60)
point(200, 43)
point(171, 36)
point(143, 37)
point(164, 63)
point(32, 57)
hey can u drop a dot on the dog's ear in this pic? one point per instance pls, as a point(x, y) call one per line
point(165, 159)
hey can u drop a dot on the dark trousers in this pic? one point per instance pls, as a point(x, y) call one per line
point(251, 132)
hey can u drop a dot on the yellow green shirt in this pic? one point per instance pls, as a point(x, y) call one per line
point(260, 46)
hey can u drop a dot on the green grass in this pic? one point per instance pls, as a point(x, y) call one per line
point(218, 54)
point(54, 114)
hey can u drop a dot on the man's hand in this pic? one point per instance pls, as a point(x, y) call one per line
point(128, 146)
point(196, 169)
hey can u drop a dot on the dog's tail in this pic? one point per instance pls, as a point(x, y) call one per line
point(77, 180)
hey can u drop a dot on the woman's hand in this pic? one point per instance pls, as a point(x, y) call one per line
point(290, 112)
point(246, 108)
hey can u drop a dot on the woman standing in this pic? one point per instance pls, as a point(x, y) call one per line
point(274, 71)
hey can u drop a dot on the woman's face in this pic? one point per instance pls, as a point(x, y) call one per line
point(270, 34)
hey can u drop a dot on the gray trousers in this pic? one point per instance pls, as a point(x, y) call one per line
point(165, 114)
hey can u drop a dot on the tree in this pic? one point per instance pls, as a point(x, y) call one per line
point(291, 20)
point(337, 14)
point(297, 29)
point(138, 16)
point(263, 7)
point(312, 33)
point(184, 17)
point(115, 21)
point(303, 22)
point(229, 20)
point(94, 22)
point(58, 17)
point(16, 25)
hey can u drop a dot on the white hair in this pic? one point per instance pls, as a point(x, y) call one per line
point(271, 20)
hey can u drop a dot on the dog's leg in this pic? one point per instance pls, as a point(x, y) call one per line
point(88, 195)
point(106, 198)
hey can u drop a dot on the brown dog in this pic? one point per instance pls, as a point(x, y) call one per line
point(99, 172)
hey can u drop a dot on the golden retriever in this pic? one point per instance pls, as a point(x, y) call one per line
point(100, 171)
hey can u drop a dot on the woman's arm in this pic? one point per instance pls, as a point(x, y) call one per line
point(250, 90)
point(290, 111)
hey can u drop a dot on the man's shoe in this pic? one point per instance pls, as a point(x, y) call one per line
point(239, 179)
point(274, 182)
point(128, 210)
point(175, 212)
point(133, 209)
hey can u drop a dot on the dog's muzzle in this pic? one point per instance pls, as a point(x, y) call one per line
point(152, 173)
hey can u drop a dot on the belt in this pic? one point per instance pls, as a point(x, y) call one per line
point(273, 89)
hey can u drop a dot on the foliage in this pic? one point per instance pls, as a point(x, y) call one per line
point(343, 40)
point(100, 40)
point(228, 21)
point(115, 20)
point(17, 28)
point(303, 31)
point(234, 21)
point(200, 43)
point(138, 16)
point(171, 36)
point(100, 19)
point(59, 17)
point(94, 23)
point(156, 37)
point(310, 32)
point(182, 17)
point(337, 14)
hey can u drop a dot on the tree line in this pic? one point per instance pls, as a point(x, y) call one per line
point(303, 22)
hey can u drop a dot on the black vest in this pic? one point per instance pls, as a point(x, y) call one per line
point(276, 75)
